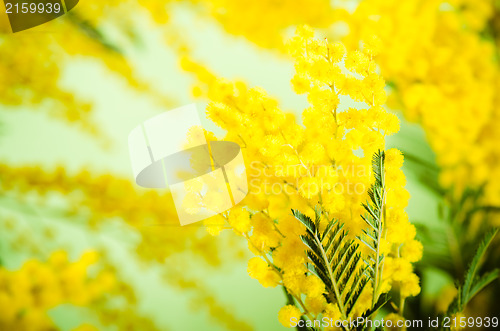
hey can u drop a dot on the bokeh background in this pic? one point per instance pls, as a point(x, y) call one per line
point(82, 246)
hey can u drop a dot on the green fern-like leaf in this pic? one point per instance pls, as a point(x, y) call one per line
point(374, 219)
point(483, 281)
point(473, 283)
point(306, 220)
point(336, 260)
point(474, 265)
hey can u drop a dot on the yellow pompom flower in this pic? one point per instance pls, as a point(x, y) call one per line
point(409, 286)
point(215, 224)
point(332, 312)
point(300, 84)
point(257, 267)
point(357, 62)
point(372, 45)
point(260, 270)
point(239, 219)
point(289, 315)
point(315, 305)
point(393, 319)
point(313, 286)
point(336, 51)
point(412, 250)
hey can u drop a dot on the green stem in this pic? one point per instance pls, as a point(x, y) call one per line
point(380, 227)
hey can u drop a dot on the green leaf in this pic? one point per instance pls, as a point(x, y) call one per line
point(473, 283)
point(333, 234)
point(483, 281)
point(311, 244)
point(384, 298)
point(306, 220)
point(374, 219)
point(474, 265)
point(335, 259)
point(329, 227)
point(336, 246)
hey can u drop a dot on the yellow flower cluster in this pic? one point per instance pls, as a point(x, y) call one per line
point(101, 198)
point(28, 293)
point(239, 17)
point(260, 270)
point(444, 73)
point(445, 77)
point(325, 162)
point(394, 320)
point(288, 314)
point(31, 68)
point(24, 61)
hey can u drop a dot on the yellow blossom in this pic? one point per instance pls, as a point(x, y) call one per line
point(288, 315)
